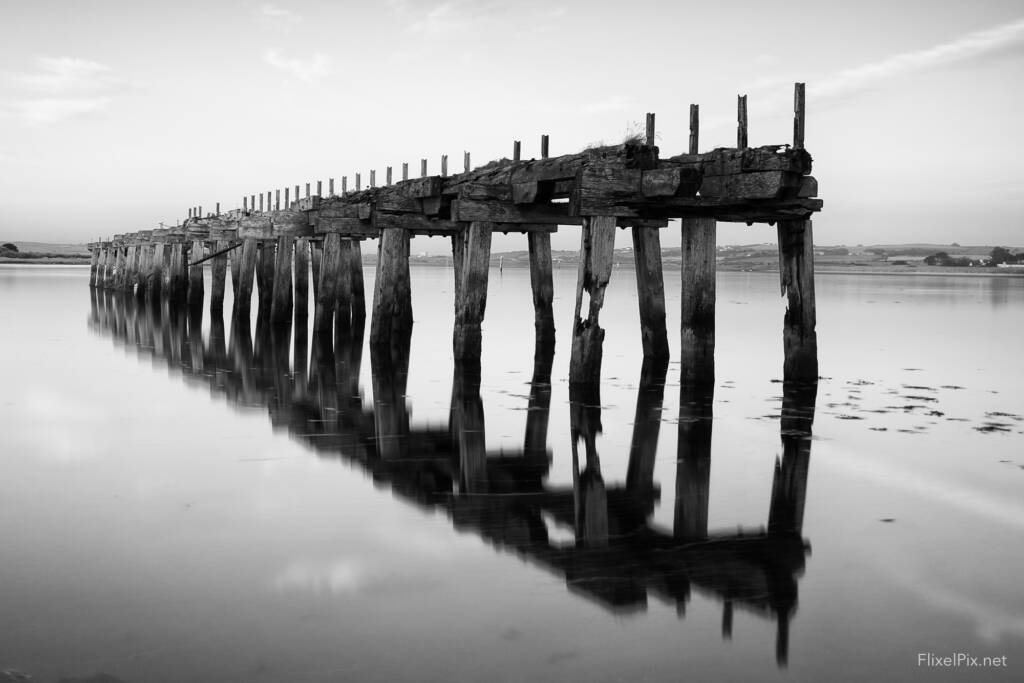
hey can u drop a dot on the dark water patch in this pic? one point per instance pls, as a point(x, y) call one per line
point(954, 387)
point(844, 416)
point(861, 383)
point(936, 413)
point(879, 429)
point(913, 369)
point(914, 397)
point(887, 520)
point(957, 419)
point(918, 387)
point(996, 413)
point(908, 431)
point(992, 427)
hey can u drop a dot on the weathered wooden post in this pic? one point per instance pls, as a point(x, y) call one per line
point(542, 286)
point(219, 276)
point(650, 290)
point(154, 279)
point(302, 279)
point(317, 257)
point(473, 293)
point(343, 291)
point(94, 263)
point(697, 303)
point(392, 297)
point(101, 266)
point(595, 270)
point(195, 274)
point(327, 289)
point(357, 287)
point(246, 267)
point(458, 259)
point(741, 122)
point(281, 307)
point(235, 260)
point(796, 267)
point(265, 262)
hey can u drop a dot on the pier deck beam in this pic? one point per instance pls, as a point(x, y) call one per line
point(543, 288)
point(650, 289)
point(697, 304)
point(281, 306)
point(595, 270)
point(392, 297)
point(472, 302)
point(796, 268)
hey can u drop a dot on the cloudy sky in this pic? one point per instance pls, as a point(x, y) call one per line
point(117, 115)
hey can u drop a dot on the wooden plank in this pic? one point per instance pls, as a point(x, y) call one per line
point(502, 212)
point(758, 185)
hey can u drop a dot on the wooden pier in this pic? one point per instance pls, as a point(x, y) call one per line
point(278, 241)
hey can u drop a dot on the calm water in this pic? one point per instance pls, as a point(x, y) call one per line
point(178, 506)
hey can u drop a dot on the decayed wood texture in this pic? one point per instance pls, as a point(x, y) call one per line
point(543, 289)
point(796, 267)
point(357, 287)
point(265, 263)
point(595, 270)
point(650, 289)
point(473, 293)
point(391, 322)
point(326, 290)
point(154, 280)
point(246, 270)
point(302, 280)
point(94, 264)
point(235, 259)
point(697, 303)
point(281, 305)
point(343, 290)
point(316, 257)
point(218, 277)
point(458, 259)
point(195, 274)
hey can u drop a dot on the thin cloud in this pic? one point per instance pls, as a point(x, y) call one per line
point(306, 70)
point(61, 88)
point(274, 13)
point(433, 19)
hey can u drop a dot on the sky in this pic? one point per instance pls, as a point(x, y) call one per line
point(116, 115)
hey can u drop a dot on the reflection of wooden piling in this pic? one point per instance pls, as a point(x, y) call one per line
point(473, 293)
point(650, 289)
point(246, 271)
point(281, 304)
point(539, 408)
point(219, 275)
point(591, 496)
point(643, 449)
point(195, 274)
point(796, 265)
point(693, 463)
point(595, 270)
point(392, 297)
point(543, 287)
point(789, 485)
point(301, 280)
point(468, 421)
point(697, 348)
point(326, 290)
point(390, 374)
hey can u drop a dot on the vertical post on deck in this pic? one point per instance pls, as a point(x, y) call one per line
point(798, 116)
point(327, 288)
point(694, 127)
point(649, 133)
point(796, 267)
point(281, 306)
point(245, 270)
point(595, 270)
point(741, 122)
point(195, 274)
point(302, 279)
point(542, 285)
point(473, 296)
point(697, 303)
point(650, 290)
point(219, 276)
point(392, 297)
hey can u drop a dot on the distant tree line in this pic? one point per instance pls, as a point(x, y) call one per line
point(997, 256)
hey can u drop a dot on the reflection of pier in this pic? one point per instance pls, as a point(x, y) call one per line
point(617, 557)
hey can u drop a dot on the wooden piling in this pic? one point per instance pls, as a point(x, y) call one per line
point(458, 259)
point(246, 259)
point(697, 303)
point(301, 281)
point(219, 274)
point(595, 269)
point(650, 290)
point(154, 279)
point(391, 323)
point(195, 274)
point(796, 267)
point(542, 285)
point(343, 292)
point(327, 288)
point(356, 285)
point(316, 257)
point(473, 294)
point(94, 264)
point(281, 304)
point(265, 262)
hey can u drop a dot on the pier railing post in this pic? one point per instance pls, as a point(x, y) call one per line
point(469, 315)
point(697, 303)
point(650, 289)
point(595, 270)
point(796, 268)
